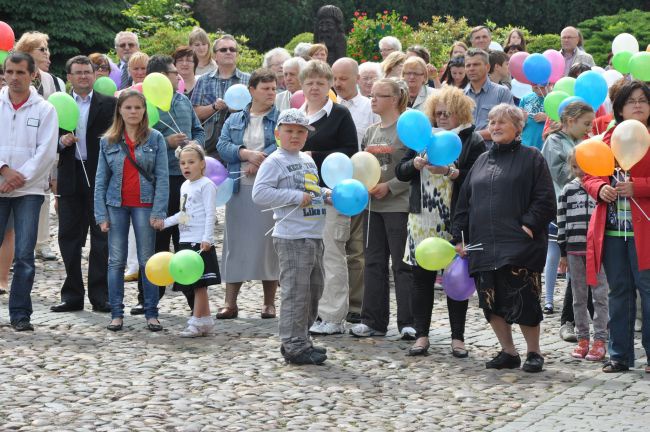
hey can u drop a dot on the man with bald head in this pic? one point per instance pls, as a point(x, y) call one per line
point(346, 80)
point(572, 50)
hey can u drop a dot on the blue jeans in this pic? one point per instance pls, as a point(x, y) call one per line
point(118, 241)
point(25, 211)
point(624, 278)
point(550, 270)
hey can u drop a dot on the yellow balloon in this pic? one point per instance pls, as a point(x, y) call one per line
point(158, 90)
point(630, 143)
point(434, 253)
point(366, 169)
point(332, 95)
point(157, 269)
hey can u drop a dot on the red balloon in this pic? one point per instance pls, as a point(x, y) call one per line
point(7, 37)
point(297, 99)
point(516, 67)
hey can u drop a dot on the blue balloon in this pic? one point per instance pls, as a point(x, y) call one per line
point(537, 68)
point(444, 148)
point(414, 129)
point(350, 197)
point(237, 97)
point(336, 168)
point(224, 192)
point(592, 87)
point(567, 101)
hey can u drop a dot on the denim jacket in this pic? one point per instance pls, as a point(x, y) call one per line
point(232, 139)
point(151, 156)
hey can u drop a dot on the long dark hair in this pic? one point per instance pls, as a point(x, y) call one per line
point(458, 61)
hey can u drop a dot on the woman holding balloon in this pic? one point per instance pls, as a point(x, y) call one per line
point(619, 230)
point(246, 139)
point(505, 206)
point(386, 219)
point(436, 180)
point(131, 187)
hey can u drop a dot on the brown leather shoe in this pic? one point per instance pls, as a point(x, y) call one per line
point(227, 313)
point(268, 311)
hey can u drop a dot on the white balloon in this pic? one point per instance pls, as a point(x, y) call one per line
point(611, 76)
point(625, 42)
point(598, 69)
point(495, 46)
point(519, 90)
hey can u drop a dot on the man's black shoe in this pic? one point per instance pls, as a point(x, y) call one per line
point(102, 308)
point(503, 360)
point(534, 363)
point(309, 357)
point(66, 307)
point(22, 325)
point(137, 309)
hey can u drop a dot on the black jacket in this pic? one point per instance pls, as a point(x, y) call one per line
point(473, 146)
point(100, 118)
point(508, 186)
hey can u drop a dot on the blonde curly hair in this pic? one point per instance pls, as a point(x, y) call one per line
point(458, 104)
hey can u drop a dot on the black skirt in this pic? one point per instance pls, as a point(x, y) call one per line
point(211, 275)
point(511, 292)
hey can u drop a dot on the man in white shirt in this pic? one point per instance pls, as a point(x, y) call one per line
point(290, 70)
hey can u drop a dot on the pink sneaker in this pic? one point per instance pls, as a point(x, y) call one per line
point(597, 351)
point(581, 350)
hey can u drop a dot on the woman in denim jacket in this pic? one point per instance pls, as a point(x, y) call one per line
point(246, 139)
point(126, 193)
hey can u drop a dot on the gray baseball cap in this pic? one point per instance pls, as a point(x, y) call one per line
point(294, 116)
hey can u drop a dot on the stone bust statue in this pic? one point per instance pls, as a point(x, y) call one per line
point(329, 31)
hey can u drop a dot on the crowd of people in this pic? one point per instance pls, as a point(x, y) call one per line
point(516, 189)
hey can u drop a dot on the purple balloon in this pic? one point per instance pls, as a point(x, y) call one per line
point(115, 74)
point(215, 171)
point(457, 282)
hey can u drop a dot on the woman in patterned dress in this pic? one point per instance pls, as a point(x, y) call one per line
point(434, 190)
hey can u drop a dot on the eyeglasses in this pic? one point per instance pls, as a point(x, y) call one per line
point(127, 44)
point(636, 102)
point(185, 60)
point(413, 74)
point(374, 96)
point(102, 67)
point(231, 49)
point(442, 114)
point(368, 79)
point(43, 49)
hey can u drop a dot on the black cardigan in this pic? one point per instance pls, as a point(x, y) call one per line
point(508, 186)
point(473, 146)
point(334, 133)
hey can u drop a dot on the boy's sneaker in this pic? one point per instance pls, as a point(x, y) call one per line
point(318, 349)
point(327, 328)
point(534, 363)
point(362, 330)
point(581, 350)
point(548, 309)
point(408, 333)
point(597, 351)
point(308, 357)
point(567, 332)
point(503, 360)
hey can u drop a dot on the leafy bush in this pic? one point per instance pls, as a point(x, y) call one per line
point(365, 34)
point(540, 43)
point(302, 37)
point(150, 16)
point(599, 32)
point(439, 35)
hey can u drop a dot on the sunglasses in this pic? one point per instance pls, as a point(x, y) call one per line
point(102, 67)
point(443, 114)
point(231, 49)
point(126, 44)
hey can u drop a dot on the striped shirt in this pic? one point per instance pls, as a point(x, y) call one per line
point(573, 213)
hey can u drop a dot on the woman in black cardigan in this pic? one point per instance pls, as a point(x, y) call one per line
point(506, 204)
point(450, 110)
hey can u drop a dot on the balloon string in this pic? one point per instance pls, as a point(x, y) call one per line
point(368, 227)
point(83, 165)
point(278, 222)
point(274, 208)
point(168, 125)
point(175, 124)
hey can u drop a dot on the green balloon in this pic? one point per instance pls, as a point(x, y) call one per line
point(153, 114)
point(3, 56)
point(434, 253)
point(105, 86)
point(640, 66)
point(66, 109)
point(552, 103)
point(565, 85)
point(186, 267)
point(621, 61)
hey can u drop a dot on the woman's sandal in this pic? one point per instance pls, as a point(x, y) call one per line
point(154, 327)
point(115, 327)
point(612, 366)
point(268, 311)
point(227, 313)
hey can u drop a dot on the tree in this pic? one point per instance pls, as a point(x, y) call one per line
point(74, 26)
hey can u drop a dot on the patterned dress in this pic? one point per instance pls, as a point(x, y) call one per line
point(435, 218)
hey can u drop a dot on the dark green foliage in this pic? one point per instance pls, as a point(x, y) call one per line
point(74, 26)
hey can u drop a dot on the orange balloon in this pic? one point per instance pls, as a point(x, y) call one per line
point(332, 95)
point(595, 157)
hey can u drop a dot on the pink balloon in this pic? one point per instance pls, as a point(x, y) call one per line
point(137, 87)
point(557, 65)
point(297, 99)
point(181, 85)
point(516, 67)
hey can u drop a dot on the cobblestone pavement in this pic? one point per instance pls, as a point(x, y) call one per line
point(73, 374)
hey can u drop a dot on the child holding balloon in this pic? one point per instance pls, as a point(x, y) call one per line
point(573, 213)
point(196, 220)
point(288, 182)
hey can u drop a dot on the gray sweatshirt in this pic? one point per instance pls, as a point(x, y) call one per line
point(281, 181)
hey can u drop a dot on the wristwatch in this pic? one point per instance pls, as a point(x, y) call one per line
point(214, 108)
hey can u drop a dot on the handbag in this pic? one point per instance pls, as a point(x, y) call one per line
point(141, 170)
